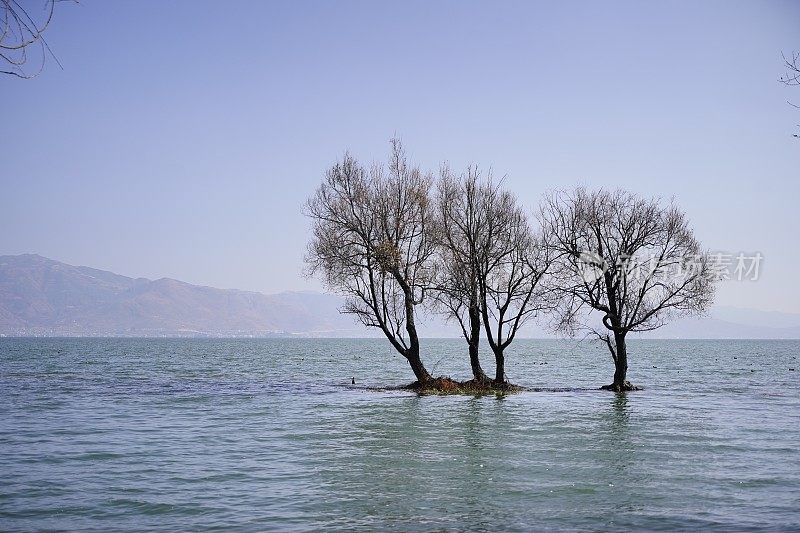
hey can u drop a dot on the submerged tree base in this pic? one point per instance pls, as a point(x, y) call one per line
point(446, 385)
point(627, 386)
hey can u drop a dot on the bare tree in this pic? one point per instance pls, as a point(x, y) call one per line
point(23, 31)
point(459, 228)
point(511, 264)
point(370, 243)
point(630, 261)
point(792, 75)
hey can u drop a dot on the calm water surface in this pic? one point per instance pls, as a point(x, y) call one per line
point(254, 435)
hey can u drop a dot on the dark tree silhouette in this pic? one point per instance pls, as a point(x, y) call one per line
point(489, 264)
point(511, 265)
point(629, 260)
point(460, 220)
point(23, 33)
point(370, 243)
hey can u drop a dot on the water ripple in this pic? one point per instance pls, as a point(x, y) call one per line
point(255, 435)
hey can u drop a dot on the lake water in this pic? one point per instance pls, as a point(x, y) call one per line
point(268, 434)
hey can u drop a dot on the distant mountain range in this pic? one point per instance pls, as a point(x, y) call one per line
point(39, 296)
point(42, 297)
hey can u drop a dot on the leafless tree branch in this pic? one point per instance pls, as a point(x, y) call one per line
point(22, 32)
point(792, 75)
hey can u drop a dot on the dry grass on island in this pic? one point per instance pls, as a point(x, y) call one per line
point(445, 385)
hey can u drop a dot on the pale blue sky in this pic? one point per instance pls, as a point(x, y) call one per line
point(181, 138)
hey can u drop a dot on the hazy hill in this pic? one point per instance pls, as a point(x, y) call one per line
point(39, 296)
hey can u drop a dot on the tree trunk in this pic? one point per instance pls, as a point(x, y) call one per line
point(477, 371)
point(621, 363)
point(412, 355)
point(500, 362)
point(474, 341)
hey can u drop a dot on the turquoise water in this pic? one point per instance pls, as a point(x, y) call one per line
point(254, 435)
